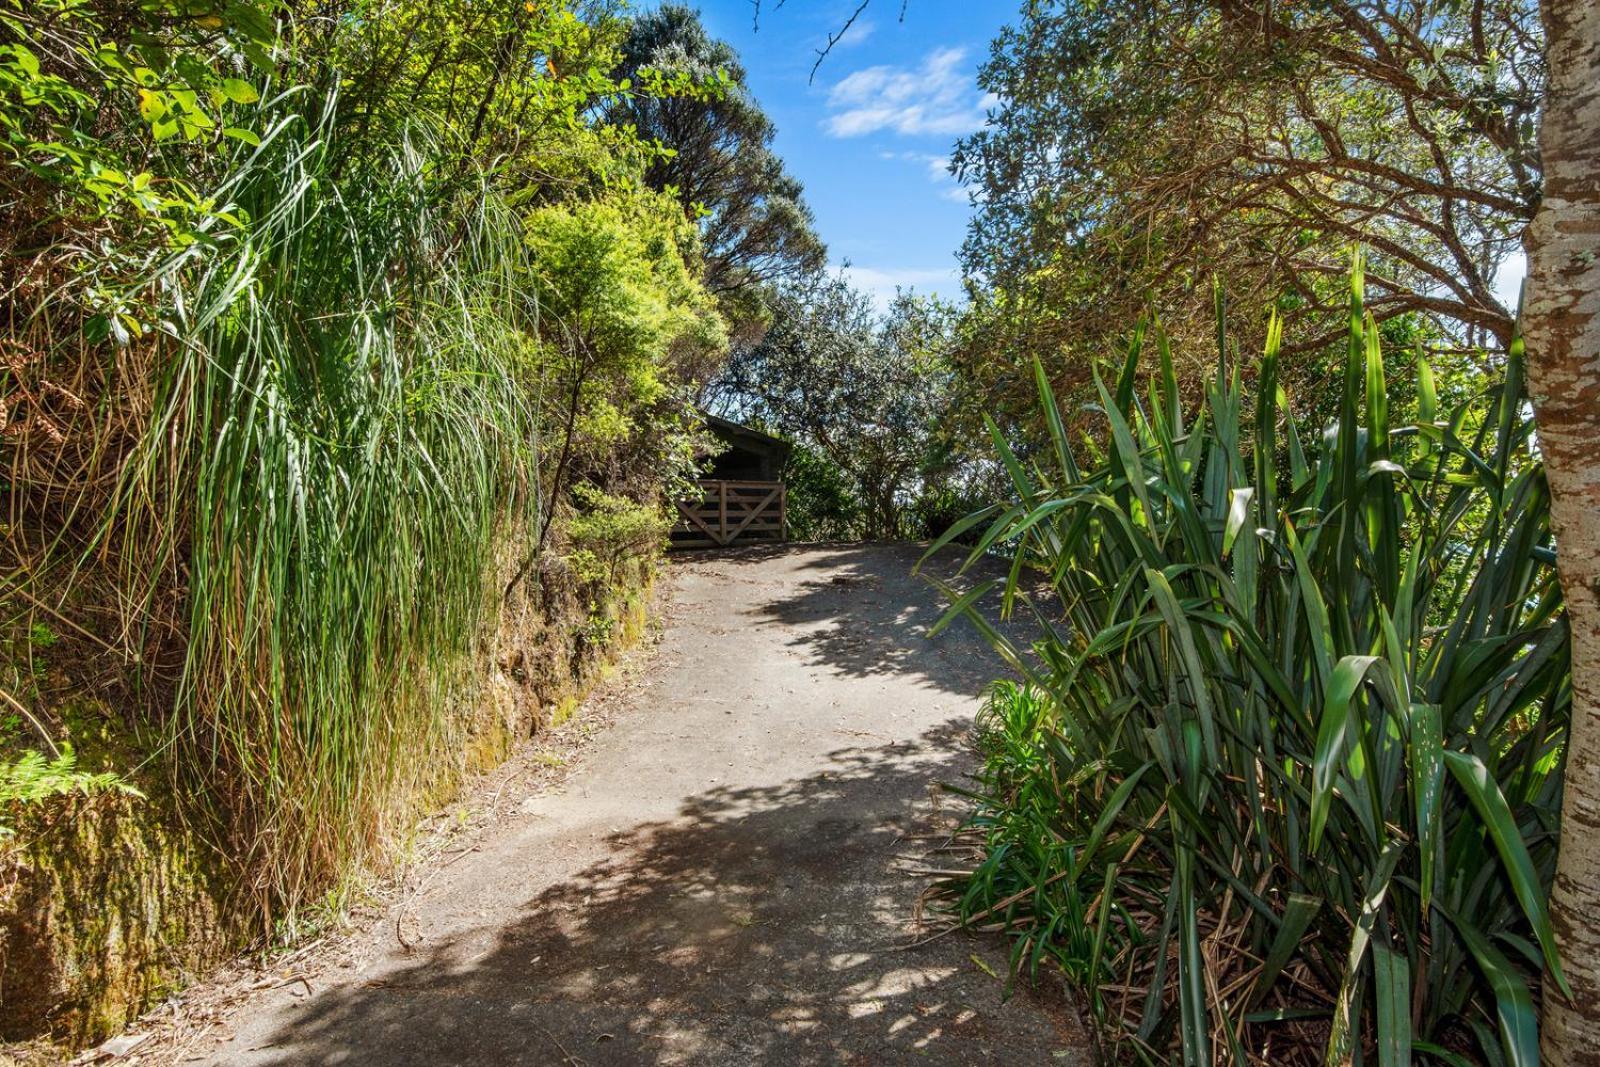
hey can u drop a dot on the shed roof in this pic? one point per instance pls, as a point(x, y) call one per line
point(746, 436)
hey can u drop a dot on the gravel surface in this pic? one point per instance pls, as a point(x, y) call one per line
point(728, 875)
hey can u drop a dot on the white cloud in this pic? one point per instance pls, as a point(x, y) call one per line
point(857, 34)
point(882, 282)
point(938, 97)
point(938, 170)
point(939, 174)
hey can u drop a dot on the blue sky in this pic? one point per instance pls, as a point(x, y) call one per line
point(870, 135)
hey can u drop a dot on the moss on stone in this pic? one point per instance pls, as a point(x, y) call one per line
point(105, 905)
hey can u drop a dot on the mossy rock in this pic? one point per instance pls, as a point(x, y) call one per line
point(103, 909)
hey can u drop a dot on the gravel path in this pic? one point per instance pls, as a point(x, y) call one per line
point(722, 881)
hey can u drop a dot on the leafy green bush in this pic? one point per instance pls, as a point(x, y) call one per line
point(821, 503)
point(314, 350)
point(610, 530)
point(623, 324)
point(939, 505)
point(1284, 777)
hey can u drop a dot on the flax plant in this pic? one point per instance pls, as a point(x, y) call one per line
point(1280, 781)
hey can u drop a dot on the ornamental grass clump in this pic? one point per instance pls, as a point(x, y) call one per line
point(339, 440)
point(1280, 782)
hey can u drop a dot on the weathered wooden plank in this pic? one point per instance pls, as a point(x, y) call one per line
point(770, 497)
point(726, 511)
point(695, 519)
point(737, 485)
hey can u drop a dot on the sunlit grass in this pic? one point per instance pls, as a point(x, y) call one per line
point(341, 433)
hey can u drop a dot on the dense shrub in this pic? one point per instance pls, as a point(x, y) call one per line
point(822, 503)
point(316, 329)
point(1282, 782)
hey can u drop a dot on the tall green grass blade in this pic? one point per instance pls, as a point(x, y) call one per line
point(1427, 780)
point(1297, 917)
point(1484, 793)
point(1065, 463)
point(1376, 888)
point(1392, 983)
point(1517, 1020)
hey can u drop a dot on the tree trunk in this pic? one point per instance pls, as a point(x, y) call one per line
point(1561, 323)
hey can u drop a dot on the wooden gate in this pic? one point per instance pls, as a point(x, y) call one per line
point(726, 512)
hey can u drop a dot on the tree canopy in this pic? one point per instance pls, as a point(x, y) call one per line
point(1140, 149)
point(719, 164)
point(867, 391)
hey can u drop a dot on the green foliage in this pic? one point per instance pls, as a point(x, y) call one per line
point(32, 778)
point(719, 164)
point(177, 81)
point(865, 392)
point(1285, 773)
point(616, 291)
point(608, 530)
point(513, 86)
point(821, 502)
point(351, 424)
point(1141, 147)
point(624, 326)
point(417, 305)
point(168, 59)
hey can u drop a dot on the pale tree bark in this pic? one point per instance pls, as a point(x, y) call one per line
point(1562, 327)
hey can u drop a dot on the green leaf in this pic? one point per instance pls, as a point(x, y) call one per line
point(1443, 1055)
point(1490, 803)
point(1374, 891)
point(1127, 452)
point(239, 91)
point(1427, 393)
point(25, 60)
point(1052, 417)
point(1316, 609)
point(259, 57)
point(1019, 477)
point(1109, 813)
point(1392, 981)
point(1191, 964)
point(1426, 755)
point(1238, 514)
point(1332, 730)
point(1519, 1025)
point(151, 106)
point(1172, 614)
point(1297, 916)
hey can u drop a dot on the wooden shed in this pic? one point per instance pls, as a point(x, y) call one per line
point(741, 495)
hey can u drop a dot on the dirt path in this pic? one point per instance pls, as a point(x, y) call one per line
point(721, 881)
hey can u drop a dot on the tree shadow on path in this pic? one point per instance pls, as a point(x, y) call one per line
point(866, 614)
point(763, 925)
